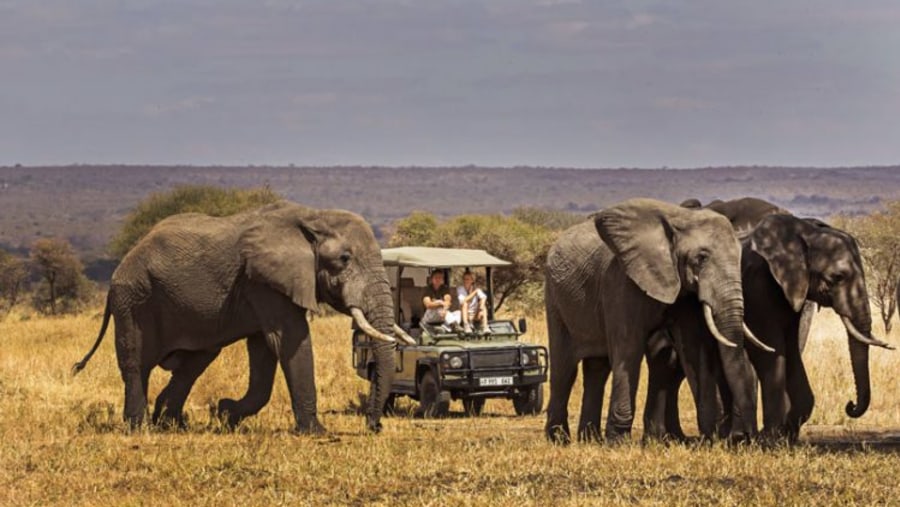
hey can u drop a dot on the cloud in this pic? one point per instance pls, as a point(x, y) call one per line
point(640, 20)
point(176, 107)
point(681, 104)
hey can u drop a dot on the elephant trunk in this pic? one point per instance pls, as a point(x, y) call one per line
point(728, 317)
point(725, 315)
point(859, 360)
point(379, 313)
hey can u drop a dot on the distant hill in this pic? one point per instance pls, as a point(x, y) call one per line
point(86, 204)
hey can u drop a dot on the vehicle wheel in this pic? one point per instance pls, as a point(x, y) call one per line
point(431, 403)
point(529, 401)
point(473, 406)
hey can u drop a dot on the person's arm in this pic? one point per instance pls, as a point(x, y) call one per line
point(430, 303)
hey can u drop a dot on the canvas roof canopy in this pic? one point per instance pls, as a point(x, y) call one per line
point(430, 257)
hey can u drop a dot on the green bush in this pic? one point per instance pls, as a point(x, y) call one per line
point(211, 200)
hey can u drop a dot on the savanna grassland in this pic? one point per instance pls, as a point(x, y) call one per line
point(63, 441)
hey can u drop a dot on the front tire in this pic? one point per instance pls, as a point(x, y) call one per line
point(431, 403)
point(529, 401)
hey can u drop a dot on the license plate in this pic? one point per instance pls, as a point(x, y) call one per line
point(495, 381)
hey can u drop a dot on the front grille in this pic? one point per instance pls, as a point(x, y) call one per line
point(493, 358)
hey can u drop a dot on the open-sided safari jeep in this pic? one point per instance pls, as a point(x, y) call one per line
point(446, 365)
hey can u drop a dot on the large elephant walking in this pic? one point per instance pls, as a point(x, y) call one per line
point(196, 283)
point(789, 265)
point(609, 282)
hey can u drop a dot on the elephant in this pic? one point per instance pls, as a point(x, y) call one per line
point(680, 349)
point(789, 266)
point(196, 283)
point(608, 284)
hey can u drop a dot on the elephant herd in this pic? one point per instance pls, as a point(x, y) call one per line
point(720, 295)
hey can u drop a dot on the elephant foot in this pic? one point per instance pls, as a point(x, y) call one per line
point(310, 426)
point(615, 436)
point(589, 433)
point(169, 420)
point(558, 434)
point(134, 422)
point(374, 425)
point(665, 438)
point(227, 412)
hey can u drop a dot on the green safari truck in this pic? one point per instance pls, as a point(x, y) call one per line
point(450, 363)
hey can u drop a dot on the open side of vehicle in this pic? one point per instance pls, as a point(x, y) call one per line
point(447, 364)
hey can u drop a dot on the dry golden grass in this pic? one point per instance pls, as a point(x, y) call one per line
point(64, 442)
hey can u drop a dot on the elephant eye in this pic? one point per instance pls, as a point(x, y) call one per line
point(836, 278)
point(345, 257)
point(701, 258)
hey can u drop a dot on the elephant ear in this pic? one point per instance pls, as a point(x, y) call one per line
point(281, 253)
point(779, 240)
point(640, 235)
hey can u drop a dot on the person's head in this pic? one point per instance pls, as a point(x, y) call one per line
point(468, 280)
point(437, 278)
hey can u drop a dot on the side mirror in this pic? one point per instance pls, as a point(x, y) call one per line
point(523, 326)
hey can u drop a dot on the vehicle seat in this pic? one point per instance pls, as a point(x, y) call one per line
point(411, 301)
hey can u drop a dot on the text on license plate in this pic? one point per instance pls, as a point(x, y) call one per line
point(495, 381)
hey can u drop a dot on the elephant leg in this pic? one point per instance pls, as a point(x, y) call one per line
point(595, 371)
point(661, 409)
point(800, 394)
point(170, 402)
point(626, 369)
point(135, 375)
point(263, 363)
point(723, 409)
point(774, 394)
point(297, 363)
point(563, 370)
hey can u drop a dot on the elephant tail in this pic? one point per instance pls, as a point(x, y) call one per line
point(81, 364)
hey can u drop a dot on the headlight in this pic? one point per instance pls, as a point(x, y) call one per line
point(526, 359)
point(456, 362)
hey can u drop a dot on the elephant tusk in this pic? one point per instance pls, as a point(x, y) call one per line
point(756, 341)
point(367, 328)
point(852, 331)
point(403, 335)
point(711, 324)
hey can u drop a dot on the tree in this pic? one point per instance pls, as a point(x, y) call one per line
point(13, 279)
point(211, 200)
point(523, 244)
point(878, 236)
point(63, 287)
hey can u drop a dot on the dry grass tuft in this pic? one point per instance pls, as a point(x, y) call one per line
point(64, 441)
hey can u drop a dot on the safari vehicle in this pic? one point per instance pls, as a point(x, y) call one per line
point(447, 365)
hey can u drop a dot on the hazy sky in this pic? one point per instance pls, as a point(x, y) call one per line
point(418, 82)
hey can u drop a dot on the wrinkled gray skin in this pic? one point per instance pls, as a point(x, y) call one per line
point(608, 284)
point(789, 266)
point(684, 350)
point(196, 283)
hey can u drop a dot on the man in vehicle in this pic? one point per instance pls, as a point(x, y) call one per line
point(472, 303)
point(437, 302)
